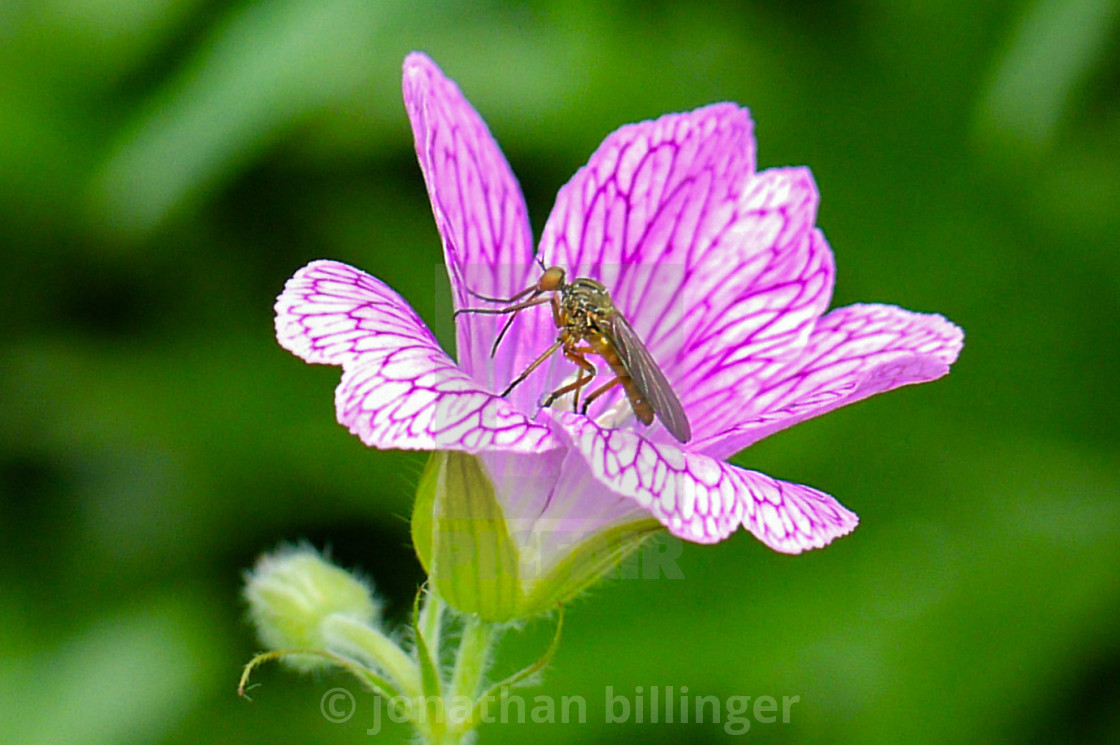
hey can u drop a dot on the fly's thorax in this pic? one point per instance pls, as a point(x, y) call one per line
point(586, 305)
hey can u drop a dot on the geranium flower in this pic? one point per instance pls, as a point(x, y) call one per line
point(718, 267)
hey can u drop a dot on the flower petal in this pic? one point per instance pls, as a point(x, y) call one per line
point(654, 193)
point(719, 270)
point(479, 210)
point(398, 389)
point(702, 499)
point(788, 517)
point(854, 352)
point(651, 202)
point(732, 351)
point(333, 314)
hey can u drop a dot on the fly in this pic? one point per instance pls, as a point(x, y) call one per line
point(588, 323)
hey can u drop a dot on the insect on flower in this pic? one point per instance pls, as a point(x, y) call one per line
point(588, 323)
point(761, 351)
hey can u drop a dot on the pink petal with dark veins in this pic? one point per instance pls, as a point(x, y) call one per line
point(398, 389)
point(719, 269)
point(733, 352)
point(639, 217)
point(702, 499)
point(481, 217)
point(854, 352)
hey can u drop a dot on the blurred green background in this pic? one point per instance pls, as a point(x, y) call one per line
point(166, 164)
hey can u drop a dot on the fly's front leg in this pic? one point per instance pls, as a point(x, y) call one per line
point(531, 289)
point(534, 300)
point(557, 312)
point(512, 310)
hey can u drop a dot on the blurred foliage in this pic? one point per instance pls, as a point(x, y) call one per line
point(166, 164)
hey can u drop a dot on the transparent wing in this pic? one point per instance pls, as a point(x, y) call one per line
point(649, 378)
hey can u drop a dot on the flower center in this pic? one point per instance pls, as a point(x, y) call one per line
point(615, 415)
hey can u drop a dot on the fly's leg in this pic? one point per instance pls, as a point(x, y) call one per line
point(513, 309)
point(537, 301)
point(535, 364)
point(533, 300)
point(599, 392)
point(503, 300)
point(586, 374)
point(557, 312)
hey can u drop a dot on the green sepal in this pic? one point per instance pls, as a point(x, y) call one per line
point(460, 534)
point(423, 512)
point(586, 564)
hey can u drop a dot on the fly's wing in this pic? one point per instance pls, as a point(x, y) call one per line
point(648, 377)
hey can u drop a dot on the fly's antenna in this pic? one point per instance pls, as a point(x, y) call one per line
point(540, 263)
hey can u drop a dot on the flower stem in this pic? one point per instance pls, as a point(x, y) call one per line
point(430, 623)
point(443, 719)
point(356, 639)
point(472, 658)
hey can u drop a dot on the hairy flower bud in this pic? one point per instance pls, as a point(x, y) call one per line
point(293, 591)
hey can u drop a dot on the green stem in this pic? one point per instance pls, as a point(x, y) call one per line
point(430, 624)
point(432, 723)
point(472, 658)
point(356, 639)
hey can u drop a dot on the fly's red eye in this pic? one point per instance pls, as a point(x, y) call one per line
point(552, 279)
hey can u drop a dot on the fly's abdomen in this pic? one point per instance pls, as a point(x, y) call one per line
point(637, 397)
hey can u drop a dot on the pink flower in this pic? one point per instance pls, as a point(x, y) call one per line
point(718, 267)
